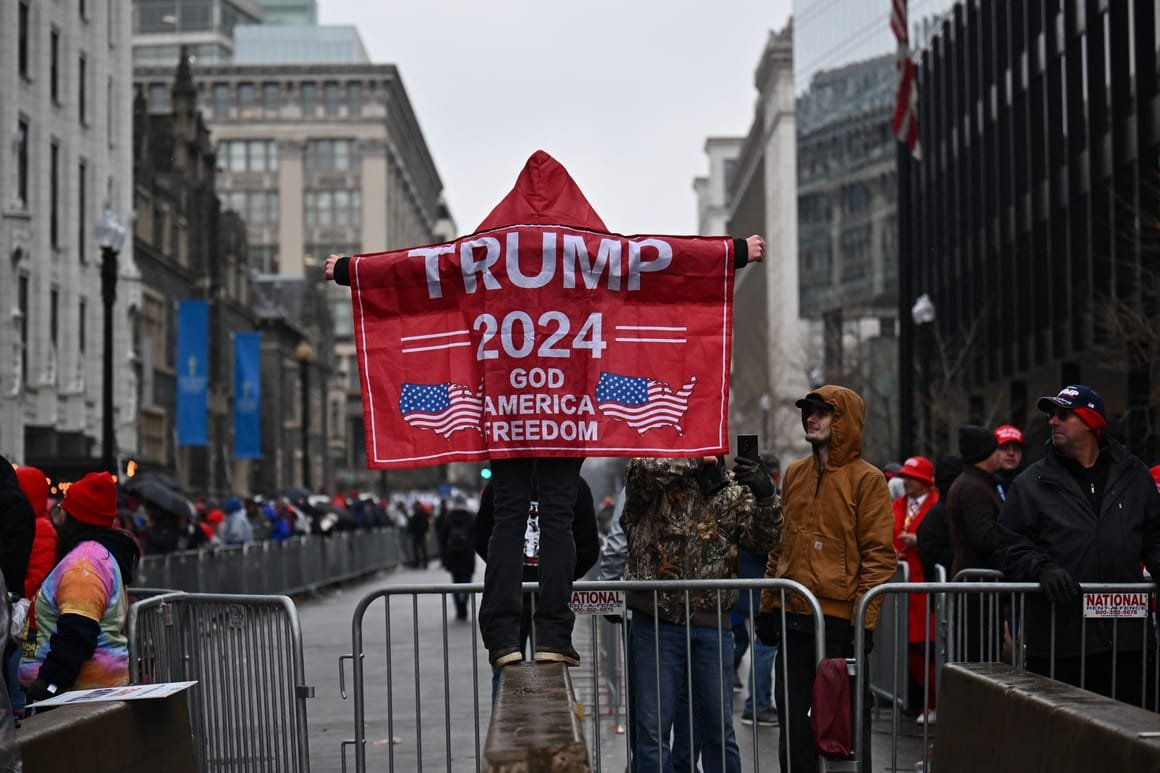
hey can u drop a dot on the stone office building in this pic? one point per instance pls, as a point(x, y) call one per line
point(320, 159)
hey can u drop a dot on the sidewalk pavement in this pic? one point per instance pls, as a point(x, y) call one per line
point(441, 683)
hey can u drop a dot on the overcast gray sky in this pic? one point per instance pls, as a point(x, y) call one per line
point(622, 93)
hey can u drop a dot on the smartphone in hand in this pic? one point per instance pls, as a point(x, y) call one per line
point(747, 447)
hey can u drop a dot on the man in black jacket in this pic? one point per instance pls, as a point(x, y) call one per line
point(1087, 512)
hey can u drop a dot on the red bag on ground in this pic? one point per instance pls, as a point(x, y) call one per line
point(830, 710)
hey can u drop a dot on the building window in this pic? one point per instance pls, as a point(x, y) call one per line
point(82, 310)
point(54, 194)
point(245, 99)
point(22, 162)
point(22, 38)
point(158, 98)
point(54, 65)
point(271, 98)
point(330, 155)
point(153, 435)
point(249, 155)
point(257, 208)
point(82, 79)
point(151, 326)
point(354, 99)
point(221, 100)
point(330, 98)
point(333, 208)
point(309, 98)
point(82, 219)
point(22, 308)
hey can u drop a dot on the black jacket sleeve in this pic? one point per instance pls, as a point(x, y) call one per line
point(73, 643)
point(17, 529)
point(484, 521)
point(740, 254)
point(342, 272)
point(584, 531)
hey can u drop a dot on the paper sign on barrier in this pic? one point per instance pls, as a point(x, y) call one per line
point(1115, 605)
point(129, 692)
point(597, 602)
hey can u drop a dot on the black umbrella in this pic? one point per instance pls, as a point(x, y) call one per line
point(296, 494)
point(130, 484)
point(164, 497)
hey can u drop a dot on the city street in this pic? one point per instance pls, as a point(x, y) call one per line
point(447, 714)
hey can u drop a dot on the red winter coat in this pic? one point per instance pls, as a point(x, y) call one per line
point(43, 556)
point(917, 611)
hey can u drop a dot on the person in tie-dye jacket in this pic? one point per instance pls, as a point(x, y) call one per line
point(78, 639)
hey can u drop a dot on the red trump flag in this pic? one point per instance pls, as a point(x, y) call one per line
point(544, 339)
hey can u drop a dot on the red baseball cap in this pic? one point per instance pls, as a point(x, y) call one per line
point(1006, 433)
point(919, 468)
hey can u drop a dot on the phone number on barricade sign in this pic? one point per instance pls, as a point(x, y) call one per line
point(544, 341)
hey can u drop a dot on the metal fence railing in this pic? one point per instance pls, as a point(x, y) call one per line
point(248, 708)
point(292, 566)
point(984, 618)
point(421, 686)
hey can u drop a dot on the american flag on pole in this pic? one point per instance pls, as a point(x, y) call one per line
point(442, 408)
point(642, 403)
point(905, 122)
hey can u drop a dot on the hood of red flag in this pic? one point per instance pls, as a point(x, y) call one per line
point(544, 194)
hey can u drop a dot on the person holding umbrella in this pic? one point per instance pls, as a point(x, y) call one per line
point(78, 639)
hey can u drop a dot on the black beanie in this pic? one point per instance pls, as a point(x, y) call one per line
point(976, 443)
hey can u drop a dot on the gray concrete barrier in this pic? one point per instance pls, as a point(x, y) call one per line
point(998, 718)
point(128, 736)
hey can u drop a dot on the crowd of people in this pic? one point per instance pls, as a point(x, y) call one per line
point(1087, 511)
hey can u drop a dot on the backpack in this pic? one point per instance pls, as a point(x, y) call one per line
point(830, 716)
point(459, 541)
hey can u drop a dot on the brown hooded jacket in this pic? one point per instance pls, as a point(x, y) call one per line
point(837, 534)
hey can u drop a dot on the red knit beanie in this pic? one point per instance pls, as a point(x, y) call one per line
point(35, 488)
point(92, 500)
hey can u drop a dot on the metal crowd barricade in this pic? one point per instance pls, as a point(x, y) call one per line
point(425, 657)
point(1001, 615)
point(248, 708)
point(295, 565)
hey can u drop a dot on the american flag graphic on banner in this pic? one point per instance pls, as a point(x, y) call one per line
point(442, 408)
point(642, 403)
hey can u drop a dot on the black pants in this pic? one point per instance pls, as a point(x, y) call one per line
point(555, 481)
point(797, 653)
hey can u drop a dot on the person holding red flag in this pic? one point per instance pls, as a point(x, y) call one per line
point(544, 195)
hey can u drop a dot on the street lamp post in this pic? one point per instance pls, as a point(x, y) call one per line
point(923, 314)
point(305, 355)
point(111, 238)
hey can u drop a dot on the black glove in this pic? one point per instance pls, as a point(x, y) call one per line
point(754, 475)
point(39, 690)
point(768, 629)
point(1058, 584)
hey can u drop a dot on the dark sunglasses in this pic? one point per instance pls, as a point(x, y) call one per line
point(1063, 414)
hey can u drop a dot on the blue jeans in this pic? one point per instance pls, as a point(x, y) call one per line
point(708, 661)
point(762, 685)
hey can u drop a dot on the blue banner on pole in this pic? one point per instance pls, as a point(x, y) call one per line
point(248, 396)
point(192, 372)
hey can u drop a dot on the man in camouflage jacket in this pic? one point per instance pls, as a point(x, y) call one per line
point(684, 520)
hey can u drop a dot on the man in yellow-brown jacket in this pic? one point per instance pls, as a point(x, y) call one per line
point(836, 541)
